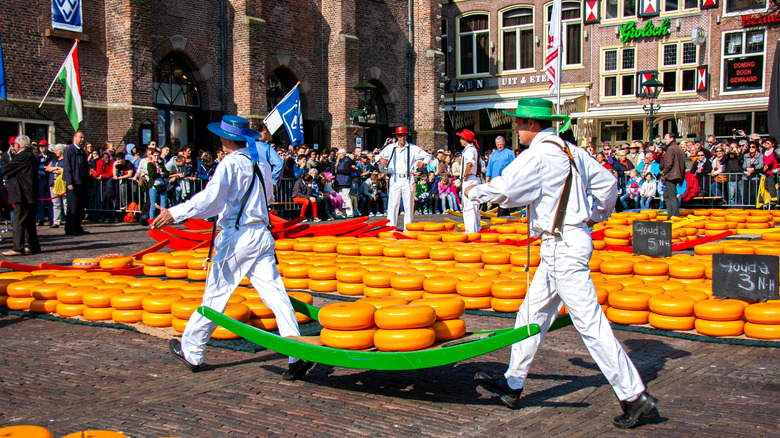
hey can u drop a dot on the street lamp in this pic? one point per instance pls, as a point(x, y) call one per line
point(654, 87)
point(366, 93)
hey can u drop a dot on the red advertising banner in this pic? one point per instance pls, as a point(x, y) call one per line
point(744, 73)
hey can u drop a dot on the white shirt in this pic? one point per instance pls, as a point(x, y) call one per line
point(224, 192)
point(536, 178)
point(470, 155)
point(398, 165)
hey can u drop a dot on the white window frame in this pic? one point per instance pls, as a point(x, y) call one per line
point(677, 67)
point(565, 24)
point(474, 46)
point(724, 57)
point(621, 14)
point(619, 73)
point(445, 42)
point(517, 30)
point(726, 13)
point(681, 10)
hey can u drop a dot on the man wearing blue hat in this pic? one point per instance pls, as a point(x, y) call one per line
point(239, 193)
point(566, 192)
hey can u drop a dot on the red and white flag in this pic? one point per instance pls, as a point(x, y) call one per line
point(70, 78)
point(553, 51)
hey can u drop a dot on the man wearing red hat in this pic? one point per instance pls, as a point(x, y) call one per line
point(401, 158)
point(471, 170)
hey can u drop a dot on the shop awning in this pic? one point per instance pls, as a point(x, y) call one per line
point(679, 108)
point(507, 100)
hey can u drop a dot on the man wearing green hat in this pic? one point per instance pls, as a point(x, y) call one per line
point(566, 192)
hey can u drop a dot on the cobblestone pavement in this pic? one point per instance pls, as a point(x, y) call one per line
point(70, 377)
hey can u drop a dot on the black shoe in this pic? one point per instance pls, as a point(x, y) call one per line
point(498, 385)
point(83, 231)
point(175, 347)
point(634, 410)
point(72, 233)
point(297, 370)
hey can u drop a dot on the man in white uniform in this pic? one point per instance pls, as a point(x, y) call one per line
point(566, 192)
point(239, 192)
point(402, 159)
point(471, 166)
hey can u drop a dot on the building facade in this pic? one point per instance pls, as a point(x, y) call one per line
point(163, 70)
point(713, 56)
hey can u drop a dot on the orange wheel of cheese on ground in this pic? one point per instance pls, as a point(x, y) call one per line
point(19, 275)
point(617, 267)
point(27, 432)
point(509, 289)
point(351, 275)
point(617, 233)
point(666, 322)
point(349, 288)
point(762, 331)
point(442, 284)
point(73, 295)
point(85, 263)
point(404, 339)
point(442, 254)
point(450, 329)
point(719, 328)
point(416, 253)
point(324, 247)
point(348, 339)
point(763, 313)
point(496, 257)
point(380, 302)
point(468, 256)
point(377, 292)
point(480, 287)
point(371, 249)
point(602, 294)
point(719, 310)
point(429, 237)
point(21, 289)
point(521, 259)
point(303, 246)
point(196, 264)
point(98, 313)
point(408, 295)
point(43, 306)
point(626, 300)
point(433, 227)
point(284, 244)
point(404, 317)
point(407, 282)
point(415, 226)
point(99, 298)
point(686, 269)
point(223, 333)
point(506, 304)
point(767, 250)
point(257, 308)
point(474, 303)
point(621, 316)
point(264, 323)
point(379, 279)
point(651, 268)
point(155, 258)
point(697, 295)
point(301, 318)
point(394, 251)
point(323, 285)
point(295, 283)
point(159, 303)
point(445, 308)
point(672, 304)
point(18, 303)
point(610, 286)
point(347, 316)
point(45, 291)
point(324, 272)
point(719, 226)
point(144, 282)
point(178, 324)
point(69, 310)
point(157, 319)
point(177, 273)
point(757, 226)
point(617, 242)
point(738, 249)
point(454, 237)
point(237, 311)
point(154, 271)
point(297, 271)
point(196, 275)
point(128, 301)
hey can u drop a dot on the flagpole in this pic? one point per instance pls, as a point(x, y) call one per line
point(58, 73)
point(560, 67)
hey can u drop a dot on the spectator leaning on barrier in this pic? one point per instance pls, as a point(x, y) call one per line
point(770, 171)
point(718, 167)
point(54, 168)
point(752, 168)
point(302, 193)
point(21, 175)
point(43, 156)
point(344, 168)
point(123, 171)
point(702, 168)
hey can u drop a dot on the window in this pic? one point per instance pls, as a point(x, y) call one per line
point(679, 5)
point(517, 39)
point(176, 96)
point(743, 60)
point(678, 67)
point(736, 6)
point(571, 21)
point(474, 50)
point(617, 131)
point(615, 9)
point(445, 48)
point(618, 72)
point(748, 121)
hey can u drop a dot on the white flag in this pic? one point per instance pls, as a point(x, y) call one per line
point(553, 51)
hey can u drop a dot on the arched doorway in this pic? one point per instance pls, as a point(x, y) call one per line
point(178, 103)
point(375, 125)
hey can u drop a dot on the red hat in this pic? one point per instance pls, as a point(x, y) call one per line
point(401, 130)
point(43, 143)
point(468, 136)
point(12, 140)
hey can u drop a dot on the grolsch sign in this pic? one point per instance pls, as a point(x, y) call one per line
point(744, 73)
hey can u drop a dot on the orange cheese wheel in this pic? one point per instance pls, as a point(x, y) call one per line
point(177, 273)
point(697, 295)
point(196, 264)
point(477, 302)
point(420, 252)
point(351, 275)
point(617, 267)
point(19, 275)
point(509, 289)
point(617, 242)
point(611, 286)
point(116, 262)
point(762, 331)
point(454, 237)
point(237, 311)
point(324, 247)
point(348, 339)
point(144, 282)
point(617, 233)
point(85, 263)
point(223, 333)
point(257, 308)
point(43, 306)
point(349, 288)
point(98, 313)
point(475, 288)
point(449, 329)
point(264, 323)
point(738, 249)
point(404, 317)
point(324, 272)
point(686, 269)
point(303, 246)
point(408, 295)
point(378, 279)
point(719, 310)
point(178, 324)
point(18, 303)
point(443, 284)
point(468, 256)
point(295, 283)
point(496, 257)
point(719, 226)
point(21, 289)
point(521, 259)
point(45, 291)
point(376, 292)
point(154, 271)
point(763, 313)
point(708, 248)
point(407, 282)
point(651, 268)
point(301, 318)
point(99, 298)
point(197, 275)
point(506, 304)
point(70, 310)
point(159, 303)
point(445, 308)
point(371, 249)
point(157, 319)
point(128, 301)
point(442, 254)
point(672, 304)
point(418, 226)
point(646, 288)
point(628, 300)
point(347, 316)
point(602, 294)
point(301, 296)
point(719, 328)
point(621, 316)
point(666, 322)
point(24, 431)
point(73, 295)
point(405, 339)
point(394, 251)
point(323, 285)
point(380, 302)
point(155, 258)
point(297, 271)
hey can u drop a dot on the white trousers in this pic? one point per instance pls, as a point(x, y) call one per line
point(346, 201)
point(400, 190)
point(563, 277)
point(248, 251)
point(471, 218)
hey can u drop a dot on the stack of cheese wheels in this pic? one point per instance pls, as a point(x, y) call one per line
point(71, 297)
point(128, 307)
point(629, 305)
point(438, 286)
point(763, 320)
point(347, 281)
point(158, 309)
point(448, 325)
point(296, 276)
point(263, 318)
point(408, 286)
point(507, 296)
point(44, 297)
point(197, 269)
point(237, 311)
point(154, 263)
point(474, 290)
point(19, 293)
point(670, 311)
point(719, 317)
point(176, 265)
point(378, 283)
point(97, 303)
point(348, 325)
point(405, 328)
point(181, 310)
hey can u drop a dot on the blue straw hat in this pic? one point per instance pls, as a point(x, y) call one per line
point(233, 128)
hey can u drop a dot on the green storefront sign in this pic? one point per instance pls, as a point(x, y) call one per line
point(629, 31)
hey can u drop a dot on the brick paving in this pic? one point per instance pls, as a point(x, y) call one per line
point(70, 377)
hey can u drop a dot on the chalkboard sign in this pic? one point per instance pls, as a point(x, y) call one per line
point(653, 238)
point(745, 276)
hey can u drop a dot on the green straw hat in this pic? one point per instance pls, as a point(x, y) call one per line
point(539, 109)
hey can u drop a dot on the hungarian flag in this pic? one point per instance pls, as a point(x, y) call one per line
point(70, 78)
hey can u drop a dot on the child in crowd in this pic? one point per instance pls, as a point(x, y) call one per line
point(647, 191)
point(433, 193)
point(421, 196)
point(632, 189)
point(369, 190)
point(333, 196)
point(448, 193)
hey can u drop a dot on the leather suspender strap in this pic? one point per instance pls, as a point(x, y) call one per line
point(245, 198)
point(560, 213)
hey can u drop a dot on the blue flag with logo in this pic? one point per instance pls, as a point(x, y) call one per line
point(66, 15)
point(3, 87)
point(288, 113)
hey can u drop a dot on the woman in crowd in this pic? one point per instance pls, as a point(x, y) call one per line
point(123, 172)
point(701, 167)
point(104, 174)
point(54, 167)
point(719, 179)
point(302, 193)
point(647, 191)
point(602, 159)
point(752, 166)
point(158, 185)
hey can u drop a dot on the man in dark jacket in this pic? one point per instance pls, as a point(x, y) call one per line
point(673, 172)
point(21, 175)
point(75, 173)
point(344, 180)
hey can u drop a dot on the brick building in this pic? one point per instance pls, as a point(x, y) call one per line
point(167, 68)
point(713, 56)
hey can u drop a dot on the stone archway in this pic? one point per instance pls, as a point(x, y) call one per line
point(286, 62)
point(201, 69)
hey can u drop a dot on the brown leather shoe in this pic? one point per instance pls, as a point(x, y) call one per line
point(12, 253)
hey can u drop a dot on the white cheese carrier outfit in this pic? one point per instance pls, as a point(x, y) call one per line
point(244, 247)
point(471, 217)
point(401, 165)
point(536, 179)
